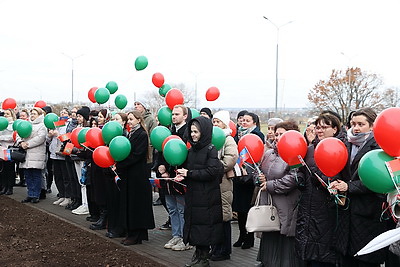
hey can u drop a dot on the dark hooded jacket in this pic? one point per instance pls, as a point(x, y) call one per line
point(203, 207)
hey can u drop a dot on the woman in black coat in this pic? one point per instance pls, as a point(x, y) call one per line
point(203, 206)
point(136, 207)
point(363, 220)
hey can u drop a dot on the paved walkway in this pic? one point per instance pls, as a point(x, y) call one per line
point(154, 248)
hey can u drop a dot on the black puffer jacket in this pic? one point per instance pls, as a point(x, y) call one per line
point(203, 207)
point(362, 221)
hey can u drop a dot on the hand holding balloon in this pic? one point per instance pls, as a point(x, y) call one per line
point(182, 172)
point(339, 185)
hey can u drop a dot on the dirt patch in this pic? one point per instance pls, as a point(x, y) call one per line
point(30, 237)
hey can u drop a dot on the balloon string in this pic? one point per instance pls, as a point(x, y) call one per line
point(169, 179)
point(256, 166)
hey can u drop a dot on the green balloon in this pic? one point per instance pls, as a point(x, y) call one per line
point(50, 119)
point(82, 135)
point(3, 123)
point(110, 130)
point(218, 137)
point(374, 173)
point(141, 63)
point(195, 112)
point(164, 89)
point(24, 129)
point(121, 101)
point(157, 136)
point(175, 152)
point(120, 147)
point(112, 87)
point(15, 124)
point(102, 95)
point(164, 116)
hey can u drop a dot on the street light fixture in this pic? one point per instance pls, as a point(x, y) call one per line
point(72, 74)
point(277, 59)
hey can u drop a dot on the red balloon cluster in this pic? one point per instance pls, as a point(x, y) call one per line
point(94, 137)
point(330, 156)
point(291, 145)
point(9, 103)
point(40, 104)
point(254, 145)
point(212, 93)
point(158, 79)
point(102, 157)
point(387, 131)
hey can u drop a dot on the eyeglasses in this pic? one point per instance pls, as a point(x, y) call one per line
point(323, 127)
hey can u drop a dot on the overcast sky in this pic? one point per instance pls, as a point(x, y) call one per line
point(227, 44)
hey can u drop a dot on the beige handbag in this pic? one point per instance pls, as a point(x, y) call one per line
point(263, 218)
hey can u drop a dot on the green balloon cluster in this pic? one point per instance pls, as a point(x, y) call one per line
point(110, 130)
point(157, 136)
point(121, 101)
point(50, 119)
point(141, 63)
point(218, 137)
point(195, 113)
point(15, 124)
point(374, 173)
point(164, 116)
point(112, 87)
point(164, 89)
point(175, 152)
point(3, 123)
point(102, 95)
point(120, 147)
point(24, 128)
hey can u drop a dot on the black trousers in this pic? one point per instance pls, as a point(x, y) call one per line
point(224, 248)
point(60, 178)
point(75, 187)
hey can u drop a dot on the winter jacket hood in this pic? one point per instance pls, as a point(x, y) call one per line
point(206, 129)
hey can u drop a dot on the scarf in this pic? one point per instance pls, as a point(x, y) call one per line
point(243, 131)
point(133, 129)
point(357, 141)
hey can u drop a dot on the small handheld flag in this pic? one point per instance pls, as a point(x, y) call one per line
point(243, 156)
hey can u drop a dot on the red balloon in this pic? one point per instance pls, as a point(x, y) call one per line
point(254, 145)
point(188, 145)
point(232, 125)
point(74, 137)
point(169, 138)
point(330, 156)
point(40, 104)
point(387, 131)
point(94, 137)
point(212, 93)
point(174, 97)
point(290, 146)
point(158, 79)
point(91, 94)
point(9, 103)
point(102, 157)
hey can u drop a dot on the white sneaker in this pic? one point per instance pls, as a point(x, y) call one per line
point(175, 240)
point(81, 210)
point(58, 201)
point(181, 246)
point(65, 202)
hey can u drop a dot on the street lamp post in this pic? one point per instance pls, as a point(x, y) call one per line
point(277, 60)
point(72, 74)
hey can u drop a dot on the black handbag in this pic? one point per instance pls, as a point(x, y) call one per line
point(17, 154)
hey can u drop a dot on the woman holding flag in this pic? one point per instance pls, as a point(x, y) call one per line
point(243, 193)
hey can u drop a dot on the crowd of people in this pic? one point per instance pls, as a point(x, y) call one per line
point(199, 195)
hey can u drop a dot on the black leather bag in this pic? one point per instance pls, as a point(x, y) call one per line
point(17, 154)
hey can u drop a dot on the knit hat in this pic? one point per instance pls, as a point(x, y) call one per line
point(274, 121)
point(84, 111)
point(223, 115)
point(241, 113)
point(47, 109)
point(142, 102)
point(207, 111)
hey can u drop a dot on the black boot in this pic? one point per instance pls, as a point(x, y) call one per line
point(248, 241)
point(195, 258)
point(9, 191)
point(42, 194)
point(3, 191)
point(101, 222)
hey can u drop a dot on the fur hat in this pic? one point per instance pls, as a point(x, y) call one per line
point(223, 115)
point(84, 111)
point(207, 111)
point(274, 121)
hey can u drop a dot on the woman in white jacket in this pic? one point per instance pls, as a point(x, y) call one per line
point(36, 155)
point(7, 168)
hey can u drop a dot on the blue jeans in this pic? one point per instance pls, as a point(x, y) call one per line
point(33, 179)
point(176, 207)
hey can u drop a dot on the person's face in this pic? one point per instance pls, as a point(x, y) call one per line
point(195, 133)
point(63, 113)
point(360, 124)
point(324, 131)
point(79, 118)
point(73, 113)
point(247, 122)
point(94, 124)
point(240, 121)
point(139, 107)
point(34, 115)
point(118, 118)
point(100, 118)
point(8, 115)
point(23, 116)
point(271, 132)
point(177, 116)
point(204, 114)
point(132, 121)
point(219, 123)
point(278, 134)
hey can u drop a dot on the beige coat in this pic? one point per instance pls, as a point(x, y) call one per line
point(228, 155)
